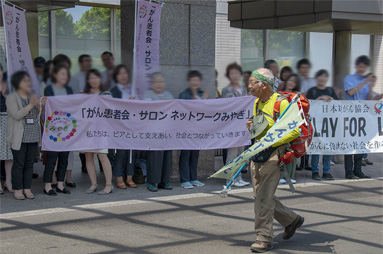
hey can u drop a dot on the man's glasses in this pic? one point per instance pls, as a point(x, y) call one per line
point(253, 82)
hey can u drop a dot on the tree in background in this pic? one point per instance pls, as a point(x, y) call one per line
point(93, 24)
point(251, 49)
point(64, 23)
point(43, 23)
point(118, 24)
point(286, 47)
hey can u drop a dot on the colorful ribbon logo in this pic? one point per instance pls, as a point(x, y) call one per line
point(378, 108)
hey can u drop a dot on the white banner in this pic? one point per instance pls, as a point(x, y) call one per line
point(18, 53)
point(346, 127)
point(147, 59)
point(83, 122)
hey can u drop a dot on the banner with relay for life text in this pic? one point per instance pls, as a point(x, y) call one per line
point(83, 122)
point(346, 127)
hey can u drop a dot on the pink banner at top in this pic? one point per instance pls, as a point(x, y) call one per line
point(82, 122)
point(18, 52)
point(147, 44)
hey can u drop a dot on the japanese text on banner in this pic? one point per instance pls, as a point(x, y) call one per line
point(346, 127)
point(18, 53)
point(82, 122)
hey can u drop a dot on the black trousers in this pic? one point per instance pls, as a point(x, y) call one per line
point(122, 165)
point(83, 161)
point(62, 164)
point(305, 161)
point(224, 156)
point(22, 168)
point(353, 164)
point(158, 165)
point(188, 165)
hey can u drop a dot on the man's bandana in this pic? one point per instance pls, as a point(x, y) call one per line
point(262, 78)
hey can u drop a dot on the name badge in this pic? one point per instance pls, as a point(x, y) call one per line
point(29, 121)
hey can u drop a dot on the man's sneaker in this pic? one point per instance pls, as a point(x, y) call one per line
point(282, 181)
point(238, 184)
point(152, 187)
point(187, 185)
point(362, 176)
point(316, 176)
point(364, 163)
point(165, 186)
point(332, 163)
point(327, 176)
point(368, 162)
point(197, 183)
point(352, 177)
point(243, 182)
point(261, 247)
point(290, 229)
point(293, 181)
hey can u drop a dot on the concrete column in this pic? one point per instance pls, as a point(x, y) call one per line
point(33, 32)
point(341, 57)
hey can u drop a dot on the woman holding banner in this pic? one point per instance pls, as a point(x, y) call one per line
point(93, 86)
point(235, 89)
point(158, 163)
point(189, 158)
point(23, 133)
point(5, 150)
point(122, 164)
point(60, 78)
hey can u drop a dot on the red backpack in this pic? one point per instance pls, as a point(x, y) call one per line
point(298, 147)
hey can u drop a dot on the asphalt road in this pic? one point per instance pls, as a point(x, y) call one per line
point(340, 217)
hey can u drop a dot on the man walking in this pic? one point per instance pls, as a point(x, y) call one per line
point(265, 170)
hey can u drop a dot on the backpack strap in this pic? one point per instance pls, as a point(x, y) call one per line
point(277, 106)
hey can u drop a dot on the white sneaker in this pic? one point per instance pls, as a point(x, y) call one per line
point(187, 185)
point(332, 163)
point(238, 184)
point(293, 181)
point(282, 181)
point(243, 182)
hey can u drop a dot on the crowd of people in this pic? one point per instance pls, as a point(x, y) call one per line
point(21, 114)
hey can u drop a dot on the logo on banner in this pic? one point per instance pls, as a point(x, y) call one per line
point(60, 126)
point(378, 108)
point(142, 12)
point(9, 18)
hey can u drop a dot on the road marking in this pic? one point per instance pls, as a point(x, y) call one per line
point(164, 198)
point(111, 204)
point(185, 196)
point(34, 212)
point(318, 183)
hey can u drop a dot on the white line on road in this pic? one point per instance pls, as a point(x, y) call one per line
point(157, 199)
point(34, 212)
